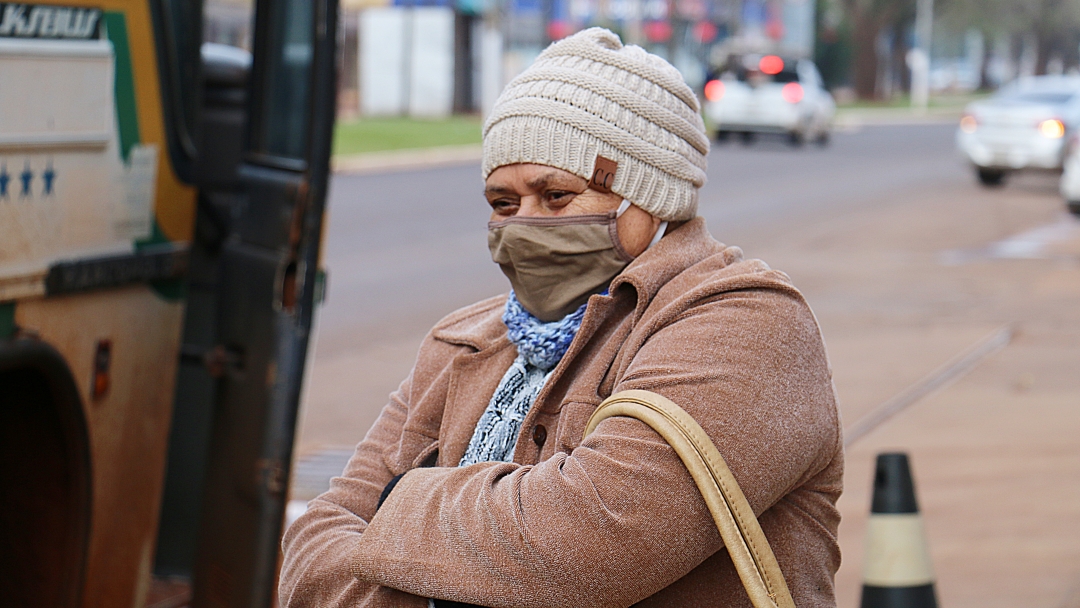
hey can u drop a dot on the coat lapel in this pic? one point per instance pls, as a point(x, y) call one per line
point(473, 380)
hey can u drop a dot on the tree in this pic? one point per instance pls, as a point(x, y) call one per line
point(1053, 25)
point(868, 19)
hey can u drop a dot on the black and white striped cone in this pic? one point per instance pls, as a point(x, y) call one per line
point(898, 572)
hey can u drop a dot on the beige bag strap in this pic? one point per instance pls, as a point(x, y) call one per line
point(739, 528)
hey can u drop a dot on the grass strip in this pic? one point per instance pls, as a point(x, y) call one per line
point(381, 134)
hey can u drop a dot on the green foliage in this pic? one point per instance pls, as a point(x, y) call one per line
point(833, 46)
point(7, 319)
point(382, 134)
point(1054, 24)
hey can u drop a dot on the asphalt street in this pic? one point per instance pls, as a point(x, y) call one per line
point(909, 266)
point(405, 248)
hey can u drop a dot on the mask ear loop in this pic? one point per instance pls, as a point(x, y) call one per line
point(660, 230)
point(623, 206)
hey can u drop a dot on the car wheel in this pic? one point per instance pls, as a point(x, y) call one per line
point(823, 138)
point(796, 139)
point(1074, 207)
point(723, 136)
point(990, 177)
point(748, 137)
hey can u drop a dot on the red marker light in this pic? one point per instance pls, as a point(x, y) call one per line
point(771, 65)
point(102, 360)
point(714, 90)
point(792, 92)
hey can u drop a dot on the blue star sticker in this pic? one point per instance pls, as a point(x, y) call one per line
point(5, 177)
point(27, 177)
point(49, 177)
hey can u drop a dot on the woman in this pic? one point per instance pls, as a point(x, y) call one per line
point(484, 490)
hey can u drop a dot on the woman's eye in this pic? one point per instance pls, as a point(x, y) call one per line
point(504, 206)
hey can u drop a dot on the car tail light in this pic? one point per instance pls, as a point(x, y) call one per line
point(714, 90)
point(792, 92)
point(1052, 128)
point(771, 65)
point(968, 123)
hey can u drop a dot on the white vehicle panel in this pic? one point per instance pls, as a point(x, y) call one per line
point(66, 189)
point(1070, 177)
point(1006, 131)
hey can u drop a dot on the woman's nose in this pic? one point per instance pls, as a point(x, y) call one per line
point(530, 206)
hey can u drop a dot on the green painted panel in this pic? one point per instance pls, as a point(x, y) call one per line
point(127, 112)
point(7, 320)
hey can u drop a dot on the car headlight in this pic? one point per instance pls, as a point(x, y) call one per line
point(968, 123)
point(1052, 128)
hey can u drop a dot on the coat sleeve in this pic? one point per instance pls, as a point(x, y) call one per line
point(619, 518)
point(317, 547)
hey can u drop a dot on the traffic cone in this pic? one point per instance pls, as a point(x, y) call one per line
point(898, 572)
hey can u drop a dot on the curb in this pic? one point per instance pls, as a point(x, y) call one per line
point(403, 160)
point(856, 119)
point(443, 156)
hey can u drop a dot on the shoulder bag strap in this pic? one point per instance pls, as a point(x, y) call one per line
point(739, 528)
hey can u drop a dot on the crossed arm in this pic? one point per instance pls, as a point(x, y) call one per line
point(609, 524)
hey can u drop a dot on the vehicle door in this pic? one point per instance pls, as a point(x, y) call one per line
point(264, 155)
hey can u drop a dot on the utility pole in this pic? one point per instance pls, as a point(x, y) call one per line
point(919, 57)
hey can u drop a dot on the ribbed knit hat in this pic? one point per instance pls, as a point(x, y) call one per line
point(588, 96)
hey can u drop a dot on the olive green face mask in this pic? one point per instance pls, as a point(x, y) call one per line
point(555, 263)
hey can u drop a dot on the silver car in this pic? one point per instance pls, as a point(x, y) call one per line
point(755, 94)
point(1070, 175)
point(1023, 126)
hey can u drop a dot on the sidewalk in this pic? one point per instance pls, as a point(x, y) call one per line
point(853, 118)
point(996, 455)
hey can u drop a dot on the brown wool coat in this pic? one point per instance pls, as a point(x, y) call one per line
point(614, 520)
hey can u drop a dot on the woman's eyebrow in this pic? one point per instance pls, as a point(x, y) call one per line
point(549, 180)
point(498, 190)
point(541, 182)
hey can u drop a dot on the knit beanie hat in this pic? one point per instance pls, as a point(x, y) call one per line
point(616, 115)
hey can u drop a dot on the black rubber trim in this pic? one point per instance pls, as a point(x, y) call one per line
point(154, 263)
point(922, 596)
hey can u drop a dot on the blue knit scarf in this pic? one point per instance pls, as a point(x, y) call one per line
point(540, 347)
point(542, 344)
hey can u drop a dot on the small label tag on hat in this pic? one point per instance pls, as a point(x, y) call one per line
point(603, 175)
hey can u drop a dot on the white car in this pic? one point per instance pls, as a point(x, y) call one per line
point(1070, 177)
point(769, 94)
point(1024, 126)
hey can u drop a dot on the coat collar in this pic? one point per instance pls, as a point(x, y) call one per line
point(685, 246)
point(479, 325)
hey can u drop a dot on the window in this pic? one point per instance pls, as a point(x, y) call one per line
point(285, 92)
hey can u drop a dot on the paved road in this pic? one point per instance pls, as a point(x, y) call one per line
point(907, 263)
point(405, 248)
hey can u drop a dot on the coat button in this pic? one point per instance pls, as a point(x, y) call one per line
point(539, 435)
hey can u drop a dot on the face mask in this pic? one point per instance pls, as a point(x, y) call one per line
point(555, 263)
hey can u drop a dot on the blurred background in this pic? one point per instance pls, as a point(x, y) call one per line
point(436, 58)
point(929, 228)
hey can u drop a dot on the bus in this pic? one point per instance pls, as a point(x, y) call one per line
point(161, 212)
